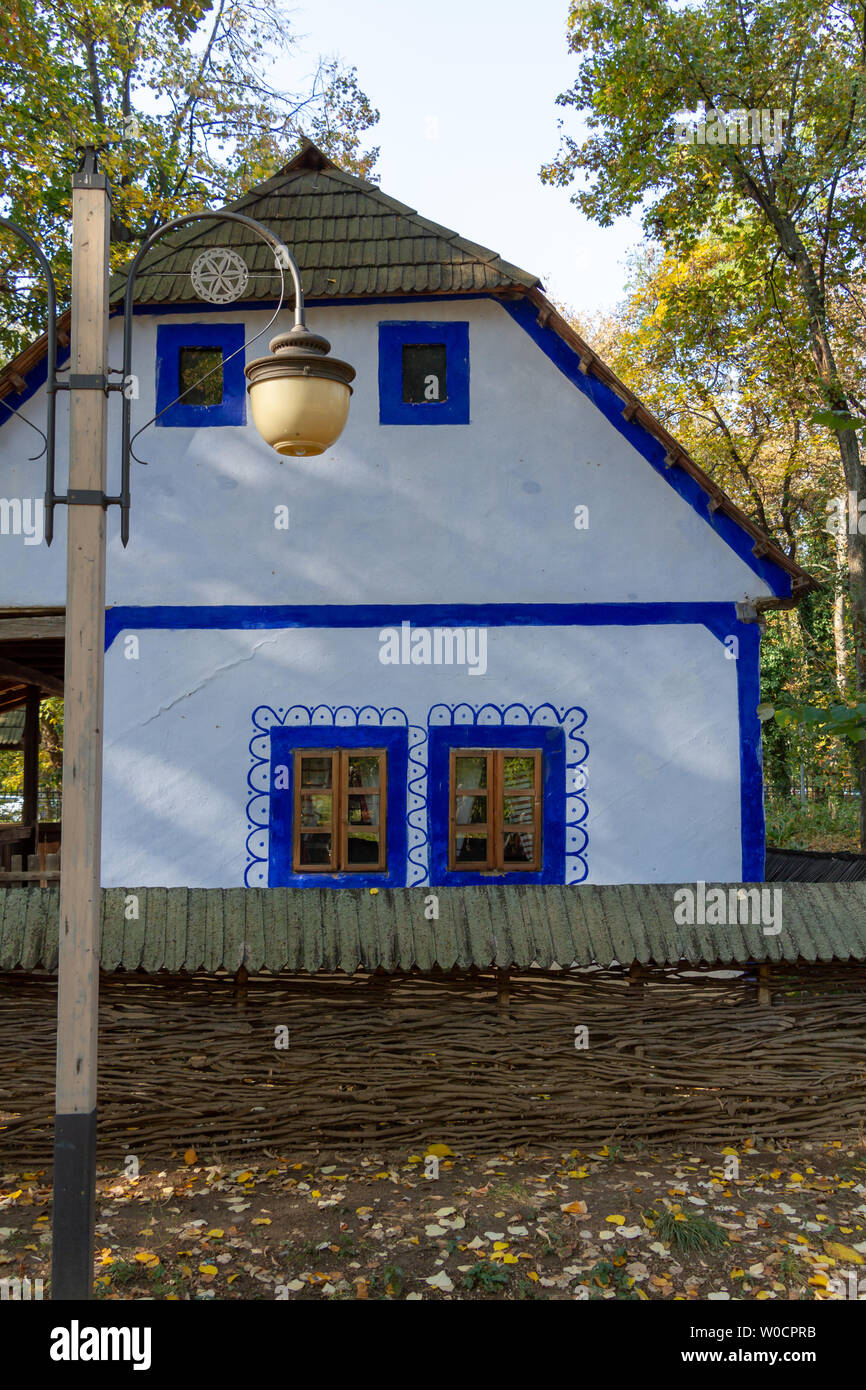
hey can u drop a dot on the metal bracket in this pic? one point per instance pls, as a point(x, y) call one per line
point(83, 381)
point(87, 497)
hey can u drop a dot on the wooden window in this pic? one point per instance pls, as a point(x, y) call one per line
point(494, 821)
point(339, 810)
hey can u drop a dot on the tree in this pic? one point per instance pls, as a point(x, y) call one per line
point(177, 95)
point(666, 89)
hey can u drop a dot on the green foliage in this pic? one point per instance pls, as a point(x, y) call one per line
point(610, 1274)
point(180, 97)
point(690, 1234)
point(50, 754)
point(846, 721)
point(486, 1277)
point(832, 824)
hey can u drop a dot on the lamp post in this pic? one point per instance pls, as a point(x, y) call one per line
point(299, 400)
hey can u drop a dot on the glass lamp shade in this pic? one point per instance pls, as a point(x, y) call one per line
point(299, 397)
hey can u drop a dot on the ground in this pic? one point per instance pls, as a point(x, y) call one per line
point(759, 1222)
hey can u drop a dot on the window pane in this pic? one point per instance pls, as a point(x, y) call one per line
point(471, 772)
point(194, 363)
point(315, 772)
point(519, 847)
point(471, 849)
point(362, 849)
point(471, 809)
point(518, 807)
point(315, 808)
point(363, 810)
point(519, 772)
point(364, 772)
point(315, 849)
point(424, 372)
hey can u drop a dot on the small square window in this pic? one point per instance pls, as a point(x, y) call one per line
point(200, 375)
point(425, 372)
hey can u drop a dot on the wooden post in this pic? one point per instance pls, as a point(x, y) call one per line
point(78, 969)
point(503, 988)
point(764, 984)
point(30, 811)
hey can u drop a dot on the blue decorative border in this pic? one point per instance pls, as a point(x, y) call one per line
point(719, 618)
point(393, 336)
point(557, 732)
point(269, 812)
point(170, 338)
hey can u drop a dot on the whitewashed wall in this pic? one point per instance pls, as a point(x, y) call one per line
point(661, 778)
point(451, 513)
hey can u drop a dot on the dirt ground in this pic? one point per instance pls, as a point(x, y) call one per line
point(758, 1222)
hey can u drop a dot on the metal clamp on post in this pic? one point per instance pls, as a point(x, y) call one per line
point(87, 497)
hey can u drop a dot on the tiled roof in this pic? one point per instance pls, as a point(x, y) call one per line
point(348, 237)
point(313, 929)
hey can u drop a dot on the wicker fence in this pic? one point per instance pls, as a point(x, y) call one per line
point(477, 1061)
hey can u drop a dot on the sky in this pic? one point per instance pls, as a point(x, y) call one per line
point(466, 90)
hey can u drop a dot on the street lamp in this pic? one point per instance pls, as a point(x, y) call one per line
point(299, 399)
point(299, 396)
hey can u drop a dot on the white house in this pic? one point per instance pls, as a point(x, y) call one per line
point(504, 629)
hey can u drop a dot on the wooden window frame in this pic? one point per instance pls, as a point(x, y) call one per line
point(340, 828)
point(494, 828)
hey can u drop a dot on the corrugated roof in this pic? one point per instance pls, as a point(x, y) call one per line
point(12, 728)
point(348, 237)
point(312, 929)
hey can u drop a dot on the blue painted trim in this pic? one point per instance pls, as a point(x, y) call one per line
point(284, 741)
point(551, 740)
point(752, 823)
point(170, 338)
point(35, 378)
point(268, 305)
point(393, 337)
point(720, 618)
point(604, 399)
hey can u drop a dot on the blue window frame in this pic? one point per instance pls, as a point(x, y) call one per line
point(452, 407)
point(551, 741)
point(171, 339)
point(285, 742)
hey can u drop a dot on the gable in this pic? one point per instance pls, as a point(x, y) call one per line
point(359, 248)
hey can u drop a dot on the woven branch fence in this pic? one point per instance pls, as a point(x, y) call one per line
point(476, 1061)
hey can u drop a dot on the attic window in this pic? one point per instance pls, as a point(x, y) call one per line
point(200, 375)
point(424, 373)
